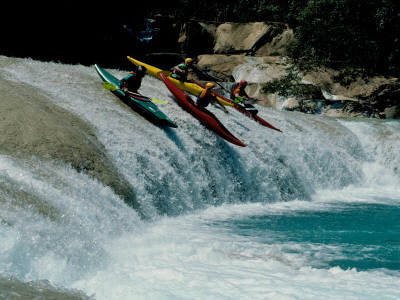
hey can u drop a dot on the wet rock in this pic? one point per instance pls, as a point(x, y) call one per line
point(386, 98)
point(31, 125)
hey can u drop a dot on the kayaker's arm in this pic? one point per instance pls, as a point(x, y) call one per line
point(177, 69)
point(219, 102)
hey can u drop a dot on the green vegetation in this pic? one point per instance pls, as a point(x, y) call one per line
point(288, 85)
point(363, 35)
point(291, 85)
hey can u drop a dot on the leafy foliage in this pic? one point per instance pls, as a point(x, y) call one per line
point(291, 85)
point(347, 33)
point(288, 85)
point(364, 34)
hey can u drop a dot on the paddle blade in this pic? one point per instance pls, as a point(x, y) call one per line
point(238, 100)
point(159, 101)
point(109, 86)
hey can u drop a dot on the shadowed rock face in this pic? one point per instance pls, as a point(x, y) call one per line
point(255, 52)
point(31, 125)
point(260, 38)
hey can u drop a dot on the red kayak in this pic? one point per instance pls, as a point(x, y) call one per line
point(203, 115)
point(255, 117)
point(244, 111)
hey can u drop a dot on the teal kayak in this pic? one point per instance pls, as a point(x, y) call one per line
point(141, 104)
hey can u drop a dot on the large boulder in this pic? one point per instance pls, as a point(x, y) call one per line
point(196, 37)
point(255, 38)
point(331, 108)
point(278, 45)
point(375, 96)
point(256, 70)
point(220, 62)
point(255, 52)
point(235, 37)
point(386, 98)
point(31, 125)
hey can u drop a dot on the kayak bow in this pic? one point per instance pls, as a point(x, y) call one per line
point(203, 115)
point(189, 87)
point(137, 102)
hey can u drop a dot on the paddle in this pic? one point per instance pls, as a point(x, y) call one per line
point(238, 99)
point(113, 88)
point(230, 77)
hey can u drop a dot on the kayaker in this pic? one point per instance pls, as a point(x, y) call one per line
point(206, 96)
point(133, 81)
point(181, 71)
point(239, 91)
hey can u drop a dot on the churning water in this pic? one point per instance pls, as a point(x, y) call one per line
point(310, 213)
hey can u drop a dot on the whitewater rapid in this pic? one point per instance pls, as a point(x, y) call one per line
point(198, 195)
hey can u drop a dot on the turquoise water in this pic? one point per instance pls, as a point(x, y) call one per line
point(310, 213)
point(361, 236)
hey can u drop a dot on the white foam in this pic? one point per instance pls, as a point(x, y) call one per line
point(91, 241)
point(189, 257)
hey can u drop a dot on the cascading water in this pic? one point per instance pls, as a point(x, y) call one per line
point(293, 215)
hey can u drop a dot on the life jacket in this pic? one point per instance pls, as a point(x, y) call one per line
point(179, 75)
point(239, 89)
point(183, 67)
point(204, 98)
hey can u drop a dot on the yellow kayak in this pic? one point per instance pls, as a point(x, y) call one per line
point(189, 87)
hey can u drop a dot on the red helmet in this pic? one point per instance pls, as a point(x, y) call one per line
point(243, 82)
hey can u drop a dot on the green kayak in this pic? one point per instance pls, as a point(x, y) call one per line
point(141, 104)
